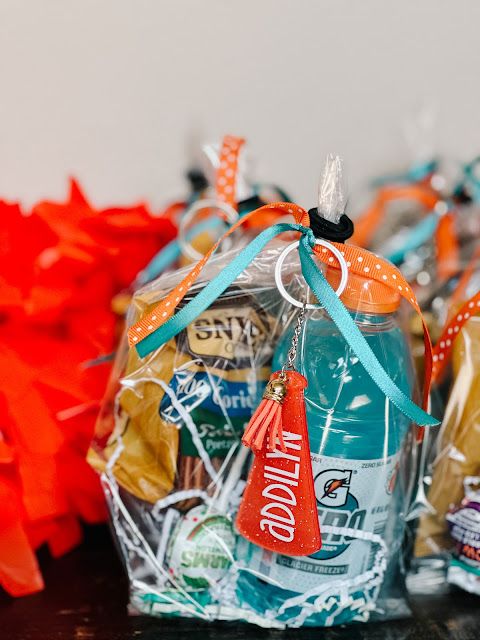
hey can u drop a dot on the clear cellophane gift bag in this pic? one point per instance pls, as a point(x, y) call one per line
point(447, 546)
point(186, 502)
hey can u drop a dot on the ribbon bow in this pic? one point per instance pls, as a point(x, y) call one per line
point(147, 336)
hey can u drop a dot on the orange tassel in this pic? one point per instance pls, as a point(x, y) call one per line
point(268, 415)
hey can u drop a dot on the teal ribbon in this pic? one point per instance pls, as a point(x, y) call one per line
point(325, 295)
point(418, 235)
point(282, 195)
point(417, 172)
point(470, 181)
point(170, 253)
point(355, 340)
point(212, 290)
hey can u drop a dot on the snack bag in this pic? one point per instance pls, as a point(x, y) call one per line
point(208, 397)
point(199, 525)
point(456, 452)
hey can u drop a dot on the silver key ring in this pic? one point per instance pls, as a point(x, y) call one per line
point(278, 273)
point(186, 219)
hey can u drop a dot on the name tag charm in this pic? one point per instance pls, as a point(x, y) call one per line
point(279, 509)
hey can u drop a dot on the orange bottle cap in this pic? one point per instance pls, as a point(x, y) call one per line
point(364, 294)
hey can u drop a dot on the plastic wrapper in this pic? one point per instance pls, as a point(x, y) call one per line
point(450, 460)
point(456, 452)
point(428, 227)
point(168, 448)
point(168, 441)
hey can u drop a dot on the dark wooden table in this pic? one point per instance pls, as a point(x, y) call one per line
point(86, 598)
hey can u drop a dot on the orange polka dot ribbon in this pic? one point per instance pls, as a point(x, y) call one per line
point(226, 178)
point(367, 264)
point(359, 261)
point(166, 307)
point(443, 349)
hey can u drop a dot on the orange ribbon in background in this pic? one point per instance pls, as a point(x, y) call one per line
point(446, 241)
point(227, 173)
point(367, 223)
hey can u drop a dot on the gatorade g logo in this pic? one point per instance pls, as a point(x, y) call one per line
point(337, 507)
point(331, 487)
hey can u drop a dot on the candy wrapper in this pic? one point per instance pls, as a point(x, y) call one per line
point(204, 530)
point(464, 523)
point(60, 266)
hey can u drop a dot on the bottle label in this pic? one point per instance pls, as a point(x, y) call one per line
point(350, 494)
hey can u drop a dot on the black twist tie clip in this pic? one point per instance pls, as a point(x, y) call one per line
point(327, 230)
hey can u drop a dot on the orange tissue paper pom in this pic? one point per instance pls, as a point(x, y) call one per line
point(60, 266)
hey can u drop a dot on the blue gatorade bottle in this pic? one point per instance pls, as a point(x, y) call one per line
point(356, 440)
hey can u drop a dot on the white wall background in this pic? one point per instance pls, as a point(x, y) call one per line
point(118, 92)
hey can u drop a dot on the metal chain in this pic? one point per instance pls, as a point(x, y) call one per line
point(292, 352)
